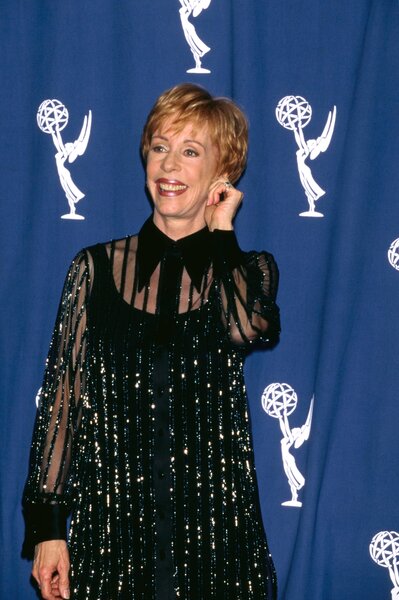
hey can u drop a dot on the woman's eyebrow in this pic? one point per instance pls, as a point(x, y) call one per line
point(194, 142)
point(188, 141)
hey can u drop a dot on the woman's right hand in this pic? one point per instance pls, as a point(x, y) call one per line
point(51, 569)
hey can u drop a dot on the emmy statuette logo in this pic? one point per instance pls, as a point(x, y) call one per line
point(384, 550)
point(52, 117)
point(198, 48)
point(393, 254)
point(279, 400)
point(294, 113)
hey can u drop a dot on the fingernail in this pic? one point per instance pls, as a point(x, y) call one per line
point(65, 594)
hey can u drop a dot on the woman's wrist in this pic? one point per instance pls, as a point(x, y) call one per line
point(226, 252)
point(46, 522)
point(221, 226)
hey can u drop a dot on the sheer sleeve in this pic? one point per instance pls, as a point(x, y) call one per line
point(47, 491)
point(247, 287)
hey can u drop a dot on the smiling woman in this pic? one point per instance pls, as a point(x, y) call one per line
point(143, 431)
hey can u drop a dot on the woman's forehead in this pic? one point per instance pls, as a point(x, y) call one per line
point(190, 129)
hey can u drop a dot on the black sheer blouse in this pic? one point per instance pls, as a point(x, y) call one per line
point(142, 433)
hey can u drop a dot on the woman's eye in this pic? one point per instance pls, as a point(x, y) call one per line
point(158, 148)
point(190, 152)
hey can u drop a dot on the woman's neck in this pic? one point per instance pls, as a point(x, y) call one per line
point(176, 229)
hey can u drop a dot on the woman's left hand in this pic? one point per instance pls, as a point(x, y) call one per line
point(220, 213)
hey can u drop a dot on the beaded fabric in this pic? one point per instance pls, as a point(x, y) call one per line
point(143, 430)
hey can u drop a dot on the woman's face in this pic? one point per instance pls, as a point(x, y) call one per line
point(180, 169)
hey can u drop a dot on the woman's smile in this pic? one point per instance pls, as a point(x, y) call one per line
point(170, 187)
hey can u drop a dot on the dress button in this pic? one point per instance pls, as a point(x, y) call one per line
point(162, 554)
point(161, 390)
point(161, 474)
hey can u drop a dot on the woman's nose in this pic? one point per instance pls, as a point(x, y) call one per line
point(170, 162)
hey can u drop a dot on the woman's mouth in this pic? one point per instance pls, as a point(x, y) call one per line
point(168, 187)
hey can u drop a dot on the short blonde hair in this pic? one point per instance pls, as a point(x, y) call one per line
point(226, 123)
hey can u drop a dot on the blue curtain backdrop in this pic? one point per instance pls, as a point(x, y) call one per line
point(339, 288)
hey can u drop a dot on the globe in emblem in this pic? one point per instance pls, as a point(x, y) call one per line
point(393, 254)
point(384, 549)
point(279, 399)
point(293, 112)
point(52, 116)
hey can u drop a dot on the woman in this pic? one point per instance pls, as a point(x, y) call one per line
point(143, 430)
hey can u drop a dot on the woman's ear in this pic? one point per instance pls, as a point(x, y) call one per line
point(221, 177)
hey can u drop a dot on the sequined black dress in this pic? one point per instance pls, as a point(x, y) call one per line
point(143, 430)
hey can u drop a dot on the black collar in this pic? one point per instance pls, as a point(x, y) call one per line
point(195, 250)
